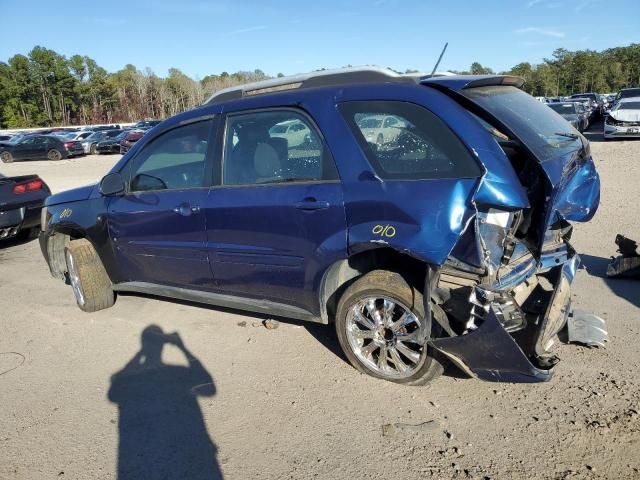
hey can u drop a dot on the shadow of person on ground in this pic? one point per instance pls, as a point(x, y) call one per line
point(624, 288)
point(161, 428)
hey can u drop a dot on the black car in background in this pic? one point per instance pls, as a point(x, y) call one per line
point(111, 145)
point(146, 124)
point(90, 144)
point(39, 147)
point(21, 201)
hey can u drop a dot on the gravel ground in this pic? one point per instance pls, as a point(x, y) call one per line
point(283, 403)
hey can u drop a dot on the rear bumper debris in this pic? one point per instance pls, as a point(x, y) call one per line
point(626, 265)
point(494, 351)
point(490, 353)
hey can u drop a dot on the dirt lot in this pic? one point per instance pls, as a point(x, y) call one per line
point(284, 403)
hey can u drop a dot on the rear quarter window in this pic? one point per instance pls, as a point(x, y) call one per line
point(411, 144)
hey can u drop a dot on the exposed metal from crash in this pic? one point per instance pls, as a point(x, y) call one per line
point(627, 264)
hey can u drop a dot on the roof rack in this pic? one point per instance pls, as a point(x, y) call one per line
point(322, 78)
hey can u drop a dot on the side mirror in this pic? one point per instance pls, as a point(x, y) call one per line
point(112, 184)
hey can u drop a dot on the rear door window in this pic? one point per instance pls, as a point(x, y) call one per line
point(274, 146)
point(410, 144)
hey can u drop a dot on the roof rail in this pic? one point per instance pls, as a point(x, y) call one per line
point(321, 78)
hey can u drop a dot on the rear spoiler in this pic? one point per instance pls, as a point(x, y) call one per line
point(461, 82)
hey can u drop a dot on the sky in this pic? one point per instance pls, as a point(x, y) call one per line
point(203, 37)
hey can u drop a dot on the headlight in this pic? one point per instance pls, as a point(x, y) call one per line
point(609, 120)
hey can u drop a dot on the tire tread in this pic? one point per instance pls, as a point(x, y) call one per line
point(94, 280)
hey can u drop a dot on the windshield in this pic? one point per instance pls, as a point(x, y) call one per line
point(629, 92)
point(629, 106)
point(95, 136)
point(16, 139)
point(563, 108)
point(546, 134)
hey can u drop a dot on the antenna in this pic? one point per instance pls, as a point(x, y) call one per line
point(440, 58)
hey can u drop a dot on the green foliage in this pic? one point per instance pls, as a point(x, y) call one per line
point(582, 71)
point(45, 88)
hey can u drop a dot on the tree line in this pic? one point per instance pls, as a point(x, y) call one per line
point(44, 88)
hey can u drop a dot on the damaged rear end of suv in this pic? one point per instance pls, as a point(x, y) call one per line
point(505, 288)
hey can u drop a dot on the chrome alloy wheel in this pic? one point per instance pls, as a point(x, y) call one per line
point(387, 337)
point(74, 279)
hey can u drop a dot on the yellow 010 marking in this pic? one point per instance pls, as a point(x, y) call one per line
point(384, 231)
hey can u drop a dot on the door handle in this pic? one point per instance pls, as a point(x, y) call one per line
point(185, 209)
point(312, 204)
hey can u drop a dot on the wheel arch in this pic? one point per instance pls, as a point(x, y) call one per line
point(344, 272)
point(58, 238)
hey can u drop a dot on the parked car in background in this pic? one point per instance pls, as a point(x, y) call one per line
point(623, 120)
point(569, 111)
point(111, 145)
point(586, 107)
point(105, 127)
point(21, 200)
point(596, 102)
point(129, 140)
point(91, 142)
point(146, 124)
point(453, 245)
point(296, 133)
point(380, 129)
point(37, 147)
point(74, 135)
point(627, 93)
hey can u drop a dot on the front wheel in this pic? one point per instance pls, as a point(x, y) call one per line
point(54, 155)
point(88, 278)
point(382, 329)
point(93, 150)
point(6, 157)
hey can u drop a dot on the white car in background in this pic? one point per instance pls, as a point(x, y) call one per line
point(296, 132)
point(380, 129)
point(623, 119)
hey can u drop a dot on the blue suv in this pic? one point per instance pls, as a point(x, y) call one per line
point(427, 218)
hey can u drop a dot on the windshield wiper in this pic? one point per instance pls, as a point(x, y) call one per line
point(567, 134)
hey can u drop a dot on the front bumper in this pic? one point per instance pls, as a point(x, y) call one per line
point(493, 354)
point(614, 131)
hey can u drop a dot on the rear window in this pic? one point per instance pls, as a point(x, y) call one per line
point(417, 145)
point(546, 134)
point(563, 108)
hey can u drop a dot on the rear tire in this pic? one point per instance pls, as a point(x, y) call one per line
point(91, 285)
point(6, 157)
point(93, 150)
point(399, 359)
point(54, 155)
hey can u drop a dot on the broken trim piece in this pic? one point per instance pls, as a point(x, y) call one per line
point(490, 353)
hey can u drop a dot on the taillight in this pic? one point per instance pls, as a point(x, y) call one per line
point(28, 187)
